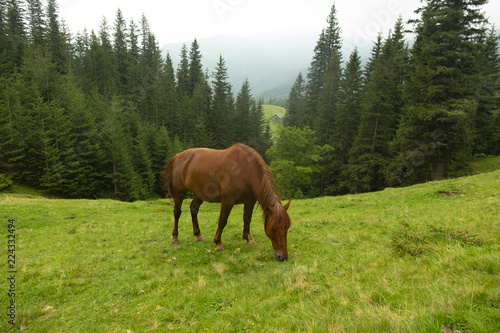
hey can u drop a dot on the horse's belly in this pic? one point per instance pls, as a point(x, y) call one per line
point(213, 191)
point(209, 193)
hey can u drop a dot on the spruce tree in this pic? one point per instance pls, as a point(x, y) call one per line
point(183, 73)
point(329, 100)
point(82, 156)
point(201, 104)
point(220, 120)
point(183, 94)
point(15, 35)
point(150, 66)
point(488, 64)
point(195, 74)
point(133, 70)
point(154, 92)
point(122, 180)
point(346, 122)
point(371, 152)
point(243, 104)
point(162, 149)
point(328, 107)
point(375, 53)
point(120, 51)
point(141, 154)
point(3, 40)
point(56, 40)
point(348, 116)
point(100, 70)
point(437, 128)
point(295, 103)
point(20, 146)
point(260, 131)
point(36, 23)
point(169, 98)
point(329, 42)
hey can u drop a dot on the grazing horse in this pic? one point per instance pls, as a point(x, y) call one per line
point(237, 175)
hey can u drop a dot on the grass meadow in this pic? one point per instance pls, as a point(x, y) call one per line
point(488, 164)
point(269, 112)
point(419, 259)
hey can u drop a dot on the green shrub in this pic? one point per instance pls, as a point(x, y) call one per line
point(6, 184)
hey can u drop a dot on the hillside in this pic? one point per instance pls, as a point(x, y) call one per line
point(269, 112)
point(417, 259)
point(488, 164)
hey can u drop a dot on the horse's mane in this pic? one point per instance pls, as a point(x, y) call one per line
point(268, 197)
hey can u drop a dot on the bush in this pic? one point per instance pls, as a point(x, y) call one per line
point(6, 184)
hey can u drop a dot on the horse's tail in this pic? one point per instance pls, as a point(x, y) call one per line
point(166, 176)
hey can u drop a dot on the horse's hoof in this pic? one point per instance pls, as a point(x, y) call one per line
point(219, 249)
point(175, 242)
point(201, 239)
point(251, 241)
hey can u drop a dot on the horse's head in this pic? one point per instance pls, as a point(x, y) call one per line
point(277, 225)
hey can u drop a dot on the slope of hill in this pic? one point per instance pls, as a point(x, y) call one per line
point(423, 258)
point(488, 164)
point(270, 111)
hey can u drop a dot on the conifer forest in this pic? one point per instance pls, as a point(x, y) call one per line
point(97, 114)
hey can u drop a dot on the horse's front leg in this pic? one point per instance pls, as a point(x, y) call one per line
point(247, 218)
point(225, 210)
point(195, 207)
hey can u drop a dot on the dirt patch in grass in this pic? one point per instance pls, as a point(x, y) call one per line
point(451, 193)
point(452, 330)
point(418, 240)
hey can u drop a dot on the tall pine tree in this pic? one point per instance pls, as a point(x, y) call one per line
point(242, 121)
point(437, 128)
point(120, 51)
point(220, 120)
point(295, 103)
point(371, 152)
point(346, 123)
point(329, 42)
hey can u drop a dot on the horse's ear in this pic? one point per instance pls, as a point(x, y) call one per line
point(287, 205)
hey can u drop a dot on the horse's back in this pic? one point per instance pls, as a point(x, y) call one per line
point(213, 174)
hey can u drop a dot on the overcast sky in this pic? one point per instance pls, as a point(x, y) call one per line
point(175, 21)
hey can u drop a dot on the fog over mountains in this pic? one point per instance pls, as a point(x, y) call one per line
point(271, 65)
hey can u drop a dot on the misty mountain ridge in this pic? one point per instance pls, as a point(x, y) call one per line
point(271, 65)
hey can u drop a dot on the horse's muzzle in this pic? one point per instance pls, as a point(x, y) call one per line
point(280, 256)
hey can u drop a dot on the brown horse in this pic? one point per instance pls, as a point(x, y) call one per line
point(237, 175)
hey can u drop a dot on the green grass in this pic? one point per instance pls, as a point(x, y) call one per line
point(486, 164)
point(417, 259)
point(271, 110)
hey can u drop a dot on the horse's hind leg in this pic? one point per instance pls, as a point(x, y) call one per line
point(247, 218)
point(177, 214)
point(195, 207)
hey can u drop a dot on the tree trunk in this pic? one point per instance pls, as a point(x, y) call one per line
point(438, 171)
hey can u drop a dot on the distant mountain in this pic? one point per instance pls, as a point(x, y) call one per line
point(271, 65)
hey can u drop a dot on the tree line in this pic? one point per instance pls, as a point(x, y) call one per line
point(411, 114)
point(97, 114)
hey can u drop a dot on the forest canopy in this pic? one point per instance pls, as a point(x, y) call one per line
point(96, 114)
